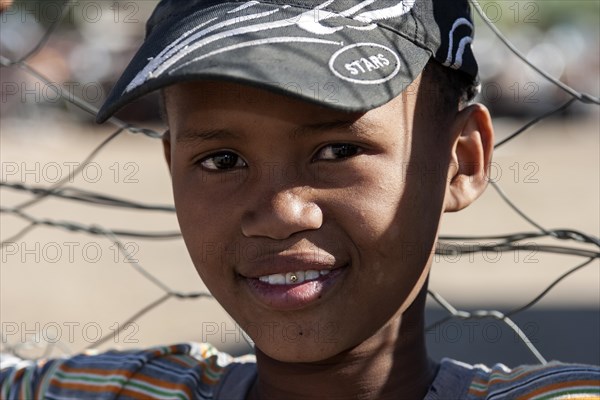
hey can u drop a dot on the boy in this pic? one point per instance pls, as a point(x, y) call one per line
point(314, 146)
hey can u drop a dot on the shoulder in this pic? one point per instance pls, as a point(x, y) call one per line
point(184, 371)
point(552, 380)
point(548, 381)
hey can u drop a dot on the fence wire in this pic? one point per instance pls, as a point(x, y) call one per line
point(447, 245)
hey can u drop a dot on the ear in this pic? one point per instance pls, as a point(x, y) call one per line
point(166, 142)
point(471, 157)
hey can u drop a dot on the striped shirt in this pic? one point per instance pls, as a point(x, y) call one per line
point(555, 380)
point(199, 371)
point(183, 371)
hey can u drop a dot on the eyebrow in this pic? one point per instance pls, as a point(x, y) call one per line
point(353, 127)
point(358, 128)
point(190, 135)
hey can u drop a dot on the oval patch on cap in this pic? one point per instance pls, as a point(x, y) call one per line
point(365, 63)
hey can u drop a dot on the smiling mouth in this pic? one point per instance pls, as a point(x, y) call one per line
point(295, 290)
point(293, 278)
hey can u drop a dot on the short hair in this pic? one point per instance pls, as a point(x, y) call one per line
point(455, 88)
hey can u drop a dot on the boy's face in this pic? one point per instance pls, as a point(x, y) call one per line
point(266, 184)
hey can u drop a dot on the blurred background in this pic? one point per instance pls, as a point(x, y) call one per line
point(70, 289)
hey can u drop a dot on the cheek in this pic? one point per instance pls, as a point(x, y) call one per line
point(205, 227)
point(371, 206)
point(392, 219)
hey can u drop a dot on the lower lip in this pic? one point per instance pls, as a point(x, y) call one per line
point(293, 297)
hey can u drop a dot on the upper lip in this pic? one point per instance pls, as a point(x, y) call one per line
point(284, 263)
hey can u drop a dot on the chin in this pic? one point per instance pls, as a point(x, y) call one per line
point(295, 343)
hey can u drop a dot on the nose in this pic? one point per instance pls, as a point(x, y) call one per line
point(281, 214)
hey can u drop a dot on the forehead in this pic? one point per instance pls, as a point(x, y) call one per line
point(218, 101)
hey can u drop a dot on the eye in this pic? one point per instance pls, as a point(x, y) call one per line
point(338, 151)
point(222, 161)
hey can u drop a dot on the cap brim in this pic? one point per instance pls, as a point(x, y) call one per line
point(340, 62)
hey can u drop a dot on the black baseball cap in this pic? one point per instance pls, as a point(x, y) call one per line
point(352, 55)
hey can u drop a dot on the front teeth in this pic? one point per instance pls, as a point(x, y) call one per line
point(275, 279)
point(311, 275)
point(292, 278)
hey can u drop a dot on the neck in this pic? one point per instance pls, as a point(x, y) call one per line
point(391, 364)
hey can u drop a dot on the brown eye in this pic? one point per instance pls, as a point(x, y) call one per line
point(222, 161)
point(338, 151)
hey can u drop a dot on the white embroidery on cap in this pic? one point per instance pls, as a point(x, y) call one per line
point(462, 44)
point(458, 59)
point(387, 13)
point(362, 28)
point(379, 61)
point(353, 10)
point(146, 73)
point(180, 48)
point(309, 21)
point(243, 6)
